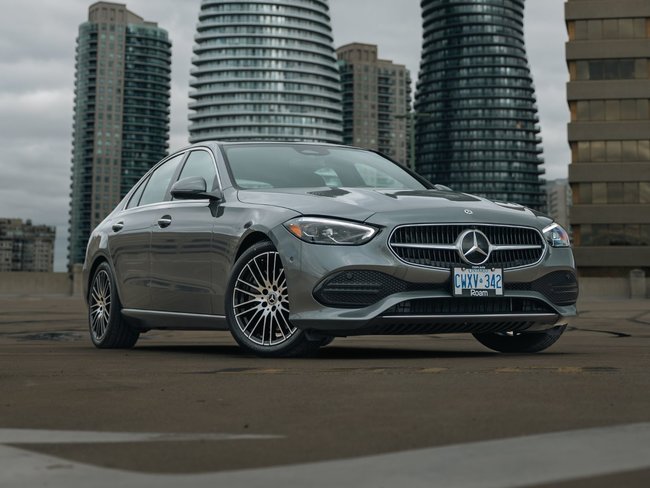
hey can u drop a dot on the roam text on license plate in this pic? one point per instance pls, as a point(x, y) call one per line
point(477, 282)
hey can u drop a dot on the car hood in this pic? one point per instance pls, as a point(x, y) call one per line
point(390, 207)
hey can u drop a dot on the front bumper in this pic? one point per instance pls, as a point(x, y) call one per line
point(308, 265)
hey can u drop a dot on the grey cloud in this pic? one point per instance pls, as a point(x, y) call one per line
point(545, 37)
point(40, 30)
point(31, 116)
point(28, 75)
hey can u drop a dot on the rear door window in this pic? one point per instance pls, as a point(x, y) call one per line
point(135, 198)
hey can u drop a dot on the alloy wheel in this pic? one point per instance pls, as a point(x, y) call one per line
point(100, 305)
point(261, 302)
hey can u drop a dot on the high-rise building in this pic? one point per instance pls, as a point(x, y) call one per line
point(121, 117)
point(558, 201)
point(26, 247)
point(477, 124)
point(376, 99)
point(265, 70)
point(608, 56)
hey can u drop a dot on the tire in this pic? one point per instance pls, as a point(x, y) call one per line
point(257, 306)
point(108, 329)
point(521, 342)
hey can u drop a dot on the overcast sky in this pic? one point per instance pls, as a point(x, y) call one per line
point(37, 42)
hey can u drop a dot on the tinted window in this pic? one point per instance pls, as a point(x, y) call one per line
point(313, 166)
point(159, 181)
point(200, 163)
point(135, 199)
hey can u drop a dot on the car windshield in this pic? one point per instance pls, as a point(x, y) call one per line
point(263, 166)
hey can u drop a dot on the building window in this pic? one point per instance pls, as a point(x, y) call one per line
point(594, 30)
point(611, 151)
point(597, 193)
point(612, 235)
point(611, 69)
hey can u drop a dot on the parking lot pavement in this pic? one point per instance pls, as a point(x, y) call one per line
point(193, 403)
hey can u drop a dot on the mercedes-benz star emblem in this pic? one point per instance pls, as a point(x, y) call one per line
point(474, 247)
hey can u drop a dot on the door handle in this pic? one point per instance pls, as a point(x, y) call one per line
point(118, 226)
point(164, 221)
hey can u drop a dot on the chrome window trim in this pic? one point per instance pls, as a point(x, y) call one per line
point(166, 204)
point(183, 153)
point(453, 246)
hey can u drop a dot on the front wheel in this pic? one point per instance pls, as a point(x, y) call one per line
point(522, 342)
point(257, 306)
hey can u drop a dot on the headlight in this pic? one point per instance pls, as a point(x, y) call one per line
point(557, 236)
point(329, 231)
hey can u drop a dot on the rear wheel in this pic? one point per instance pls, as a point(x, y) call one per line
point(257, 306)
point(522, 342)
point(108, 329)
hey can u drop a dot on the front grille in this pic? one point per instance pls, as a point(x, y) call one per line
point(360, 288)
point(446, 235)
point(469, 306)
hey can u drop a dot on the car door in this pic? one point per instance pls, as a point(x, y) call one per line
point(130, 236)
point(181, 254)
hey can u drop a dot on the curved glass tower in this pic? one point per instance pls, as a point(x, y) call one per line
point(476, 128)
point(121, 113)
point(265, 70)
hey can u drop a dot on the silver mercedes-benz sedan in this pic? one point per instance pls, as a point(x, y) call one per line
point(290, 245)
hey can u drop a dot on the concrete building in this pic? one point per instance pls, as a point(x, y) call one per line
point(558, 201)
point(265, 70)
point(26, 247)
point(609, 98)
point(477, 126)
point(121, 116)
point(376, 99)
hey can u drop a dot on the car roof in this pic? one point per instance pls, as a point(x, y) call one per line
point(217, 143)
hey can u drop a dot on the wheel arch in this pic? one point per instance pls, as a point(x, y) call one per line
point(98, 260)
point(250, 240)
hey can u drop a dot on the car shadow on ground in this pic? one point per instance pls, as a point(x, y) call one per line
point(333, 352)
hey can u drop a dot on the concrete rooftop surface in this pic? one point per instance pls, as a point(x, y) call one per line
point(374, 411)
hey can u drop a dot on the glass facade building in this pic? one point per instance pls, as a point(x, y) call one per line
point(121, 115)
point(477, 126)
point(265, 70)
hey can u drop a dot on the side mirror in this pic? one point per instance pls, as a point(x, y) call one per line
point(193, 188)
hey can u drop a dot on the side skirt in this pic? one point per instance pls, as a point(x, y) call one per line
point(151, 319)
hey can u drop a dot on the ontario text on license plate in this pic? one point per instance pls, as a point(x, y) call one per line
point(477, 282)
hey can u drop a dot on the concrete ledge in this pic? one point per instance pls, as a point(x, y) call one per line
point(602, 172)
point(613, 213)
point(609, 131)
point(602, 9)
point(607, 49)
point(17, 283)
point(611, 256)
point(606, 89)
point(604, 288)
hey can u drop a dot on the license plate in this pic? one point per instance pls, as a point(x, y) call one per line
point(478, 282)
